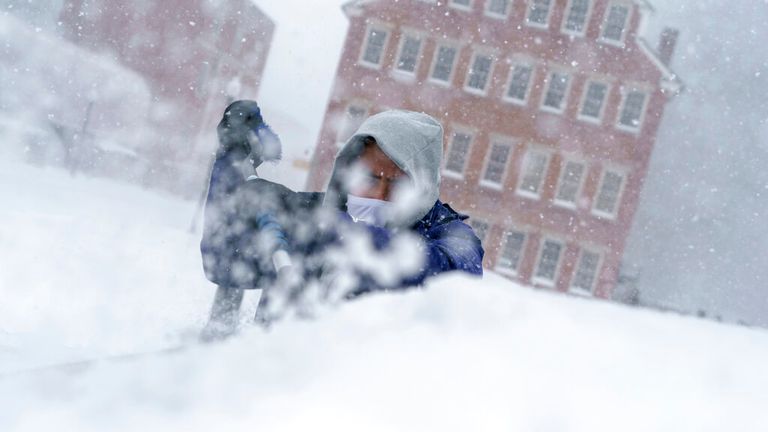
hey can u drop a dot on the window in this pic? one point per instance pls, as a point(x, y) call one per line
point(353, 118)
point(557, 90)
point(498, 8)
point(632, 110)
point(496, 165)
point(461, 4)
point(519, 83)
point(479, 74)
point(445, 58)
point(586, 271)
point(615, 23)
point(457, 153)
point(577, 17)
point(538, 13)
point(608, 196)
point(593, 101)
point(410, 49)
point(549, 261)
point(373, 49)
point(570, 183)
point(511, 251)
point(534, 171)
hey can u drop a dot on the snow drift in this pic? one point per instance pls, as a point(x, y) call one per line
point(101, 268)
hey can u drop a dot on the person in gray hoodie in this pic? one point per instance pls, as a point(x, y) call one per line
point(387, 177)
point(384, 186)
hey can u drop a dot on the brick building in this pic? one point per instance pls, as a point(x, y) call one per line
point(550, 109)
point(195, 55)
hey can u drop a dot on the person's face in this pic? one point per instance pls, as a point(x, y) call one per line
point(382, 175)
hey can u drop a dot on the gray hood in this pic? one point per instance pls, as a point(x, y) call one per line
point(414, 142)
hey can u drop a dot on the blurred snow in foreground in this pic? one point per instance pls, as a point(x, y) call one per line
point(93, 268)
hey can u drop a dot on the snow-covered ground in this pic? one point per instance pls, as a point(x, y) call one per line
point(92, 268)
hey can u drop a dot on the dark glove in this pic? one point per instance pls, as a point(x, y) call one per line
point(243, 132)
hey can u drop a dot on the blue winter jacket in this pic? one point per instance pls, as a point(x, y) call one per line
point(232, 222)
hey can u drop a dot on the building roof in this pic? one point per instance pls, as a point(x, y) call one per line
point(670, 82)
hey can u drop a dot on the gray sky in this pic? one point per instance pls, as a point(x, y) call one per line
point(302, 62)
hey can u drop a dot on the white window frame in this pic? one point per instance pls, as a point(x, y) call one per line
point(566, 94)
point(625, 90)
point(534, 24)
point(475, 54)
point(497, 15)
point(587, 20)
point(505, 97)
point(361, 57)
point(447, 44)
point(579, 188)
point(627, 21)
point(503, 244)
point(466, 8)
point(524, 168)
point(472, 137)
point(404, 34)
point(501, 140)
point(619, 198)
point(600, 259)
point(538, 279)
point(598, 120)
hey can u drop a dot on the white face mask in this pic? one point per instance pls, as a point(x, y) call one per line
point(371, 211)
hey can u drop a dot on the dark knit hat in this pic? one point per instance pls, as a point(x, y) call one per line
point(243, 132)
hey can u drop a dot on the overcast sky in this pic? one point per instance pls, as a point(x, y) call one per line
point(303, 58)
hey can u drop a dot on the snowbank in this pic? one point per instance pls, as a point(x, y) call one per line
point(93, 268)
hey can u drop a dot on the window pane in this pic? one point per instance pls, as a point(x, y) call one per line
point(375, 46)
point(558, 86)
point(518, 85)
point(497, 162)
point(632, 111)
point(464, 3)
point(444, 63)
point(613, 28)
point(538, 12)
point(533, 174)
point(498, 7)
point(577, 16)
point(586, 271)
point(479, 73)
point(570, 180)
point(457, 155)
point(593, 101)
point(609, 192)
point(409, 54)
point(550, 257)
point(512, 252)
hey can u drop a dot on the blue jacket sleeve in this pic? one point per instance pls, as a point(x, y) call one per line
point(451, 246)
point(448, 247)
